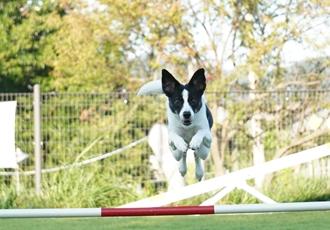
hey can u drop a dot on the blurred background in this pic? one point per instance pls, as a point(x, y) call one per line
point(268, 72)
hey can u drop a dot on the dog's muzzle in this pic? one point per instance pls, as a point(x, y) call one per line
point(186, 118)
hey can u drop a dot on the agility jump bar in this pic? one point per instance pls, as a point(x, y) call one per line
point(163, 211)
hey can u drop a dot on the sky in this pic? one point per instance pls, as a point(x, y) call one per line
point(295, 52)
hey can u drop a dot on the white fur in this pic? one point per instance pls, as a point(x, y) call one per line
point(186, 107)
point(196, 136)
point(153, 87)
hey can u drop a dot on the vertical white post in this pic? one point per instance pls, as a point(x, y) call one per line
point(256, 131)
point(37, 137)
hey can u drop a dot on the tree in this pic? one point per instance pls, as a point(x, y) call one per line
point(61, 46)
point(89, 56)
point(251, 37)
point(157, 33)
point(25, 49)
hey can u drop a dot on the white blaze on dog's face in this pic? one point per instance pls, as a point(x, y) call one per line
point(184, 100)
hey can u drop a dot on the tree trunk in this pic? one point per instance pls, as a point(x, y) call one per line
point(234, 159)
point(218, 160)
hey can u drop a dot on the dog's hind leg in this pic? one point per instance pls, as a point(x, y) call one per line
point(183, 165)
point(199, 172)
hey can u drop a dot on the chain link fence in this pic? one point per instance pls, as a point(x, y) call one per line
point(76, 127)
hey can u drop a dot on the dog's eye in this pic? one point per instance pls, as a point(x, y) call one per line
point(192, 101)
point(178, 101)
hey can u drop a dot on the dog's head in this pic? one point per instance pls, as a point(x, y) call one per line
point(184, 100)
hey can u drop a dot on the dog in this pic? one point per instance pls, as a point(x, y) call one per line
point(189, 119)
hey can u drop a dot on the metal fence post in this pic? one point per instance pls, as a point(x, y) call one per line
point(37, 137)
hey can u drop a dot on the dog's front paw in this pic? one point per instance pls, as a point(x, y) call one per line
point(195, 142)
point(180, 145)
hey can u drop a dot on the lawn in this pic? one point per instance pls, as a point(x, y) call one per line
point(279, 221)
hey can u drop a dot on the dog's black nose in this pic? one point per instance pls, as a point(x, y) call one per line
point(186, 115)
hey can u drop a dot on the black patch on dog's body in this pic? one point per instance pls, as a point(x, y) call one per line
point(209, 117)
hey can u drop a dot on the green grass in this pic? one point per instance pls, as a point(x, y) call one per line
point(278, 221)
point(78, 187)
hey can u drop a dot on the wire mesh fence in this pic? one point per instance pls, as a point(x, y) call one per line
point(250, 127)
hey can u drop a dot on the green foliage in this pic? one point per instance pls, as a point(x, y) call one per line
point(8, 197)
point(287, 187)
point(94, 64)
point(84, 187)
point(42, 44)
point(26, 46)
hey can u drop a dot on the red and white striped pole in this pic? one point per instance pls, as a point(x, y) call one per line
point(158, 211)
point(161, 211)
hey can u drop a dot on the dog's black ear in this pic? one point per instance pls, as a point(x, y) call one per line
point(169, 83)
point(198, 80)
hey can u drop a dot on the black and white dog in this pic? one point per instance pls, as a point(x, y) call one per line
point(189, 119)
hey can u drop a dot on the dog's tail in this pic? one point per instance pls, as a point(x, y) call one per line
point(153, 87)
